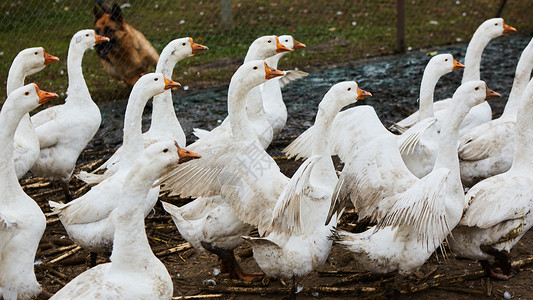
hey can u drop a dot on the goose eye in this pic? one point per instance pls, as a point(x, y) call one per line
point(165, 150)
point(184, 44)
point(27, 93)
point(477, 89)
point(269, 41)
point(446, 59)
point(87, 35)
point(156, 79)
point(255, 68)
point(36, 53)
point(496, 24)
point(349, 89)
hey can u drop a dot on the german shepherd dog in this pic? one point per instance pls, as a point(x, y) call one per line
point(128, 54)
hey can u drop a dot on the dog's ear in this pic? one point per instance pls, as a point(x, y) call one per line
point(116, 14)
point(99, 9)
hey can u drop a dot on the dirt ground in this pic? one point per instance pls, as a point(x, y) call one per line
point(394, 81)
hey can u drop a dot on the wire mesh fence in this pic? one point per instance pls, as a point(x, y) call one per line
point(334, 31)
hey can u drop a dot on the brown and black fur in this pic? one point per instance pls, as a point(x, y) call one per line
point(128, 54)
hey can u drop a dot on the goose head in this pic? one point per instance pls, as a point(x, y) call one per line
point(161, 156)
point(86, 39)
point(289, 42)
point(265, 46)
point(28, 97)
point(342, 94)
point(254, 73)
point(474, 92)
point(181, 48)
point(444, 64)
point(152, 84)
point(495, 27)
point(33, 60)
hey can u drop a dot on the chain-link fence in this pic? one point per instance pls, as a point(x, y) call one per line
point(334, 31)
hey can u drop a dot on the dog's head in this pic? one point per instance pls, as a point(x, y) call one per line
point(108, 21)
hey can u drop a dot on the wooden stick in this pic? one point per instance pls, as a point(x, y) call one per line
point(206, 296)
point(52, 220)
point(182, 247)
point(59, 250)
point(65, 255)
point(286, 290)
point(55, 279)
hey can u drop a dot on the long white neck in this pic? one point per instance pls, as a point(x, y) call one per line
point(448, 158)
point(523, 151)
point(521, 78)
point(237, 94)
point(15, 79)
point(9, 119)
point(163, 116)
point(76, 83)
point(473, 56)
point(133, 143)
point(131, 251)
point(427, 89)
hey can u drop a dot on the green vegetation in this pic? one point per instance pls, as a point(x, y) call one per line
point(334, 32)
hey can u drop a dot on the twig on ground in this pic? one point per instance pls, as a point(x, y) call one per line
point(65, 255)
point(206, 296)
point(182, 247)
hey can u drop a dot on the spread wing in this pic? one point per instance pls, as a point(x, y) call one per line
point(287, 212)
point(291, 75)
point(421, 210)
point(246, 177)
point(375, 174)
point(409, 140)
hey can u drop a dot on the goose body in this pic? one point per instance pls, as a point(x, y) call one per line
point(22, 222)
point(27, 62)
point(64, 130)
point(498, 211)
point(487, 150)
point(487, 31)
point(423, 211)
point(165, 124)
point(134, 271)
point(90, 219)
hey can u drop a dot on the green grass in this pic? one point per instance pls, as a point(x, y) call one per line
point(326, 27)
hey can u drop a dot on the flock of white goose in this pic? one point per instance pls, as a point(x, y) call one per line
point(410, 185)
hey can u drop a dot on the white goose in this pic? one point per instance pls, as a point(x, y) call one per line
point(29, 61)
point(22, 222)
point(64, 130)
point(299, 240)
point(165, 124)
point(90, 219)
point(134, 271)
point(273, 104)
point(209, 222)
point(487, 31)
point(499, 208)
point(414, 218)
point(487, 150)
point(261, 48)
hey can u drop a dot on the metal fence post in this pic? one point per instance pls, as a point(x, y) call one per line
point(226, 14)
point(400, 26)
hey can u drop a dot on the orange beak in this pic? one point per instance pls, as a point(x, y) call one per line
point(100, 39)
point(280, 48)
point(169, 84)
point(457, 65)
point(197, 47)
point(507, 28)
point(185, 155)
point(272, 73)
point(362, 94)
point(298, 45)
point(44, 96)
point(48, 59)
point(491, 94)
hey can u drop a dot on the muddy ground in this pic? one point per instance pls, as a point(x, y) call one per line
point(394, 82)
